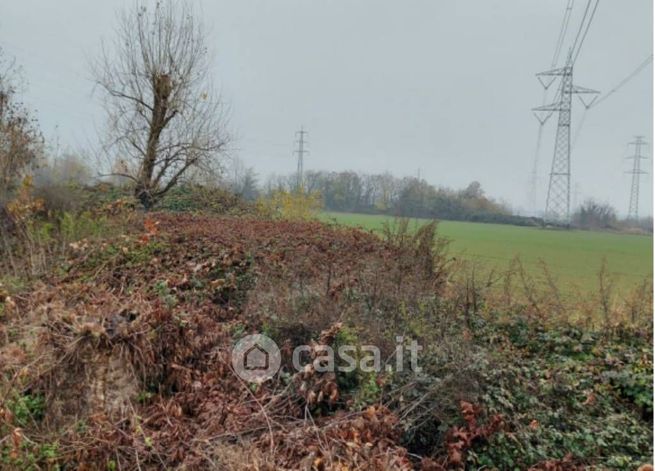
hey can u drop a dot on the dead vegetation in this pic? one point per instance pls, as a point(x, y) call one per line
point(121, 361)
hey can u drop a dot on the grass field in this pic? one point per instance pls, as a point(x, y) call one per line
point(573, 257)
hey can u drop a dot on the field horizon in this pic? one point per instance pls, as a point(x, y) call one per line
point(573, 256)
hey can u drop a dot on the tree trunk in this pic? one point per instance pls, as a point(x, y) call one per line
point(145, 186)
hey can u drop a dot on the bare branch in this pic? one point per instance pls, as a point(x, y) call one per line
point(162, 114)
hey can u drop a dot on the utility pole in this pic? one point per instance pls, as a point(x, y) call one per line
point(633, 209)
point(558, 201)
point(300, 151)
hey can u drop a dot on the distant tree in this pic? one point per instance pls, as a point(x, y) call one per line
point(276, 183)
point(370, 192)
point(313, 181)
point(57, 181)
point(21, 142)
point(163, 118)
point(474, 190)
point(416, 198)
point(389, 188)
point(68, 168)
point(410, 196)
point(344, 191)
point(594, 215)
point(247, 186)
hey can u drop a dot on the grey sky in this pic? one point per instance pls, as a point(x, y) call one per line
point(441, 85)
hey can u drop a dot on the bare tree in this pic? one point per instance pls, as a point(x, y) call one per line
point(163, 117)
point(21, 142)
point(595, 215)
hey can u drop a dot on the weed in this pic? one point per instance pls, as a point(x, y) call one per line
point(165, 294)
point(27, 409)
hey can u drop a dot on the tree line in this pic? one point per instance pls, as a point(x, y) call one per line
point(383, 193)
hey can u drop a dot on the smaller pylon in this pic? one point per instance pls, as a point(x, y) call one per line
point(633, 209)
point(300, 151)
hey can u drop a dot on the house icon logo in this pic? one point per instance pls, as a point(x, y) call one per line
point(256, 358)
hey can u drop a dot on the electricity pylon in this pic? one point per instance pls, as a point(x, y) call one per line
point(301, 157)
point(558, 201)
point(633, 209)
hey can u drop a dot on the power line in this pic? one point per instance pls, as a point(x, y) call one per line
point(562, 33)
point(591, 18)
point(627, 79)
point(584, 18)
point(623, 82)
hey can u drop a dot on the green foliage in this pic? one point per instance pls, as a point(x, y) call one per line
point(31, 456)
point(192, 198)
point(74, 227)
point(564, 390)
point(165, 294)
point(145, 397)
point(361, 387)
point(27, 408)
point(635, 383)
point(368, 391)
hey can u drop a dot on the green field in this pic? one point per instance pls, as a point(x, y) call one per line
point(573, 257)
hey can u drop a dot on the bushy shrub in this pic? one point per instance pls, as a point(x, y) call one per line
point(200, 198)
point(36, 233)
point(290, 205)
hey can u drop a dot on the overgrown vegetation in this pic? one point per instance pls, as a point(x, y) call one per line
point(21, 143)
point(122, 359)
point(35, 236)
point(117, 326)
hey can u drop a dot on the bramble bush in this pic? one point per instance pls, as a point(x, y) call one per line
point(507, 380)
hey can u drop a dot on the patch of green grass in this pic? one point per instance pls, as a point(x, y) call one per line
point(574, 257)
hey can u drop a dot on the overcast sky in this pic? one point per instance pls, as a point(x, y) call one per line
point(444, 86)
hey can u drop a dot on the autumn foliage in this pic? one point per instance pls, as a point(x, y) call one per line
point(121, 358)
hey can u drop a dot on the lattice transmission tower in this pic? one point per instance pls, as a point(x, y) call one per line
point(558, 201)
point(636, 172)
point(300, 152)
